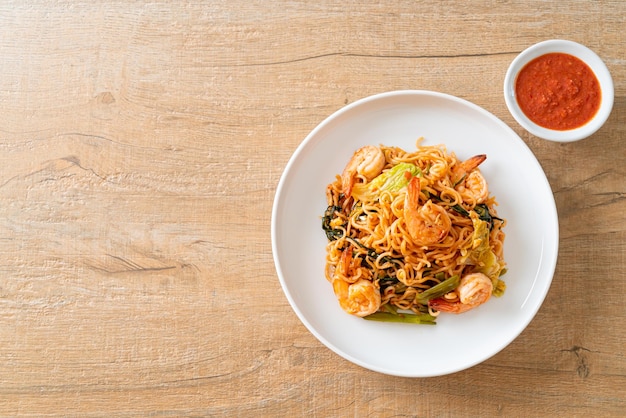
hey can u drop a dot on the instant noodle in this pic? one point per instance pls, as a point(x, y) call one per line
point(412, 234)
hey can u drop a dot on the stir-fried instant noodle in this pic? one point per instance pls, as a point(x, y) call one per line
point(412, 234)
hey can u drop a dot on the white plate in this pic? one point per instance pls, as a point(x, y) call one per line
point(515, 178)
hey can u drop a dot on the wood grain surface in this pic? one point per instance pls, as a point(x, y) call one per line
point(141, 144)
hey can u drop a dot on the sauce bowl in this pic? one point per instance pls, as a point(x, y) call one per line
point(584, 54)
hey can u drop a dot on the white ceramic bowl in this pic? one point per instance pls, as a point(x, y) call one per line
point(584, 54)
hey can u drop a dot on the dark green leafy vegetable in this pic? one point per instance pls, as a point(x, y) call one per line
point(457, 208)
point(425, 319)
point(483, 214)
point(460, 209)
point(331, 233)
point(481, 209)
point(371, 253)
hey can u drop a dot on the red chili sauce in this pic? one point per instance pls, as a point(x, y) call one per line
point(558, 91)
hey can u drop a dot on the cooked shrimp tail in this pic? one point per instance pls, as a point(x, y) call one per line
point(413, 195)
point(467, 166)
point(469, 181)
point(472, 162)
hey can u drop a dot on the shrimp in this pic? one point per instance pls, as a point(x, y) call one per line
point(356, 294)
point(367, 161)
point(349, 269)
point(467, 166)
point(361, 298)
point(428, 224)
point(474, 289)
point(469, 181)
point(476, 185)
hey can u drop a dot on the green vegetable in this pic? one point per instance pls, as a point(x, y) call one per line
point(482, 210)
point(331, 233)
point(460, 209)
point(483, 214)
point(481, 255)
point(395, 179)
point(389, 308)
point(499, 288)
point(391, 180)
point(425, 319)
point(371, 253)
point(439, 290)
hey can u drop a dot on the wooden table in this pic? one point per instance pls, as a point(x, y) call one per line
point(141, 145)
